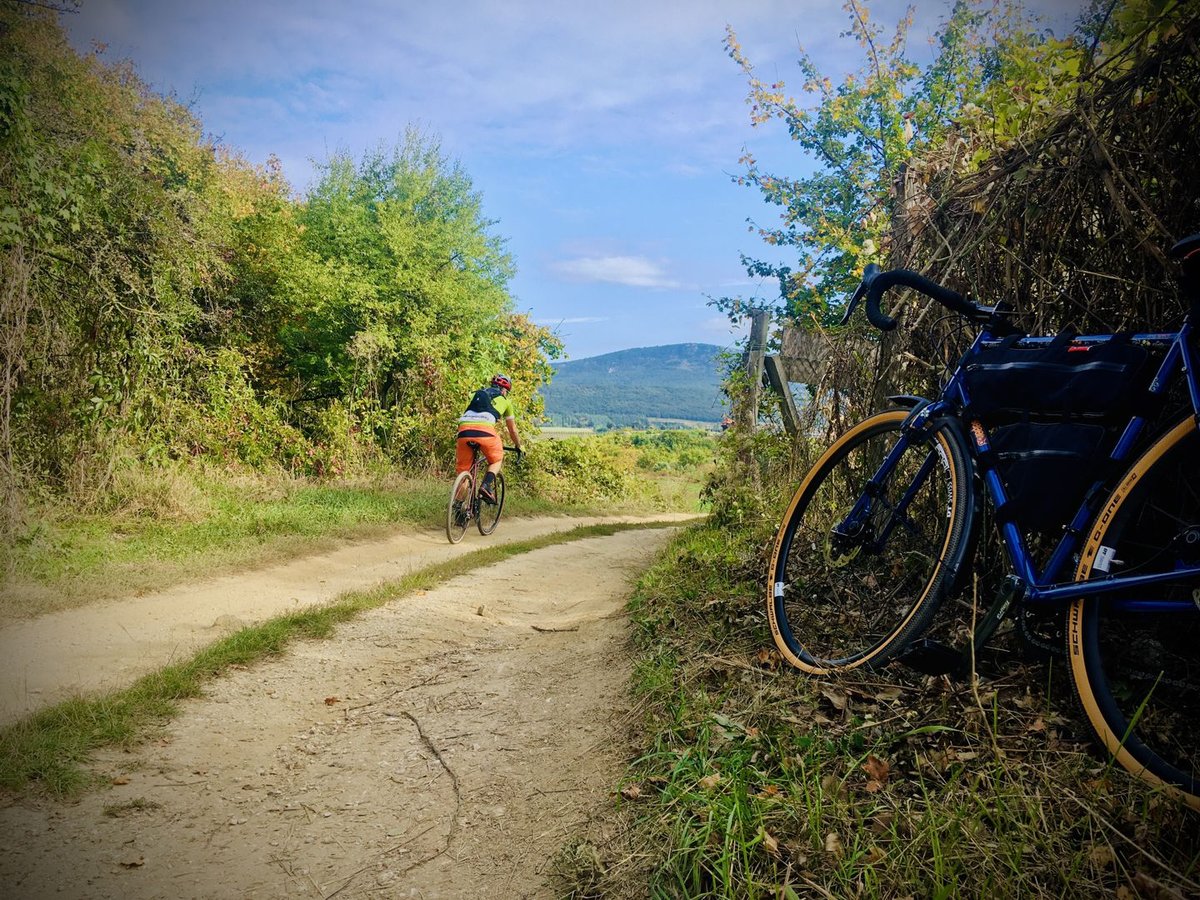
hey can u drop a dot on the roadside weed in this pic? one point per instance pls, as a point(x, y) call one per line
point(757, 782)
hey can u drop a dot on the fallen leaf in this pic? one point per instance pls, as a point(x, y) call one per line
point(768, 658)
point(833, 845)
point(877, 769)
point(876, 855)
point(836, 698)
point(770, 792)
point(133, 863)
point(121, 779)
point(631, 791)
point(708, 782)
point(329, 701)
point(882, 821)
point(770, 843)
point(1102, 856)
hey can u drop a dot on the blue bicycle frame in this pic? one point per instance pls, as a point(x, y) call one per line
point(1046, 587)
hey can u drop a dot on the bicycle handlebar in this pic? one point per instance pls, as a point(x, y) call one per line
point(875, 282)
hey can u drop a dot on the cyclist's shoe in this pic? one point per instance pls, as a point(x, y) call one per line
point(487, 488)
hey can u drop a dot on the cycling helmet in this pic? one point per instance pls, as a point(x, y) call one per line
point(502, 381)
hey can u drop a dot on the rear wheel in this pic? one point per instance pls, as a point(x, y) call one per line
point(489, 513)
point(861, 563)
point(1135, 655)
point(458, 511)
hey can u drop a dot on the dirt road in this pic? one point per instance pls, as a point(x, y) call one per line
point(107, 645)
point(446, 745)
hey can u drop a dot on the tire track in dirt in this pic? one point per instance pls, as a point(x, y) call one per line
point(445, 745)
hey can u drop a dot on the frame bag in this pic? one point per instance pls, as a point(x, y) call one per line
point(1050, 410)
point(1095, 381)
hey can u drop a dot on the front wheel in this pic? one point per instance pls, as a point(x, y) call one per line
point(489, 513)
point(458, 512)
point(868, 545)
point(1135, 654)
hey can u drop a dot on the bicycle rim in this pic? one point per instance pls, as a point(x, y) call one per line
point(1137, 672)
point(489, 514)
point(844, 594)
point(459, 508)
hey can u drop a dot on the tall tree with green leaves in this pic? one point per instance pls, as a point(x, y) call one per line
point(404, 306)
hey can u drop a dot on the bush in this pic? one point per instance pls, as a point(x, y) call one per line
point(580, 470)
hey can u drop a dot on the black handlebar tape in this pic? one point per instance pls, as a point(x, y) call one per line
point(952, 300)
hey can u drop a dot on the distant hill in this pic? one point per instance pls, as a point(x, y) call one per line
point(676, 381)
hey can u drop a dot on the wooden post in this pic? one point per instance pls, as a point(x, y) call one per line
point(756, 350)
point(787, 404)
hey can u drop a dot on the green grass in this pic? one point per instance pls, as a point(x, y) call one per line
point(752, 781)
point(219, 524)
point(50, 750)
point(171, 526)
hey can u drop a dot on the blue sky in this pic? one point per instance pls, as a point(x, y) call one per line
point(602, 134)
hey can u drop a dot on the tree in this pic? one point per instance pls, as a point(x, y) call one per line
point(863, 133)
point(405, 307)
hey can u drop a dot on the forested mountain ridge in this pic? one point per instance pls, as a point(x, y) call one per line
point(628, 387)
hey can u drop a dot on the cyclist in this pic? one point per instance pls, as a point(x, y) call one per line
point(479, 425)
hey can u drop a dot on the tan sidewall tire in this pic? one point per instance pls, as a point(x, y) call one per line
point(1112, 741)
point(892, 415)
point(450, 527)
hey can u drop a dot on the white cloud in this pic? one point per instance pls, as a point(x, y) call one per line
point(631, 271)
point(722, 326)
point(509, 75)
point(541, 78)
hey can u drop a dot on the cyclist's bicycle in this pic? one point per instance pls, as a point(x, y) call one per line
point(467, 503)
point(1066, 444)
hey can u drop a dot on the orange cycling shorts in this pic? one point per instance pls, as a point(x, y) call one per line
point(489, 442)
